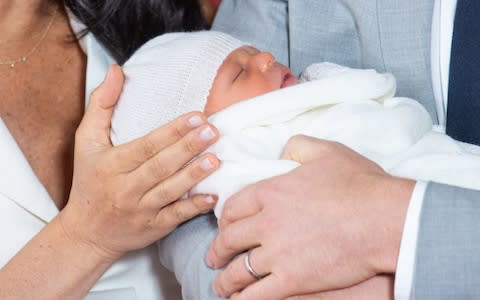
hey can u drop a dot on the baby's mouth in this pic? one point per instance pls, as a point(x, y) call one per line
point(288, 80)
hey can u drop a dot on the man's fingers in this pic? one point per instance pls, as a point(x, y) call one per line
point(243, 204)
point(268, 288)
point(377, 288)
point(332, 295)
point(177, 185)
point(135, 153)
point(236, 276)
point(95, 126)
point(181, 211)
point(231, 240)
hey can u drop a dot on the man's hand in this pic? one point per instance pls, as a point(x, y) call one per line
point(334, 222)
point(378, 288)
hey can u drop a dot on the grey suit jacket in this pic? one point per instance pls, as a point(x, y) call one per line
point(389, 36)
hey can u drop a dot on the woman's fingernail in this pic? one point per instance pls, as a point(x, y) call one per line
point(195, 121)
point(210, 200)
point(206, 164)
point(207, 134)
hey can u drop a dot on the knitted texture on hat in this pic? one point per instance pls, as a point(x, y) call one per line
point(168, 77)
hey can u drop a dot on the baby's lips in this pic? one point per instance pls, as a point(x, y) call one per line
point(288, 78)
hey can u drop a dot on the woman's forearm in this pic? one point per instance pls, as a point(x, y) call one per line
point(52, 266)
point(122, 199)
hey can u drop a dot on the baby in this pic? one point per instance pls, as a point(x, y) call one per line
point(244, 91)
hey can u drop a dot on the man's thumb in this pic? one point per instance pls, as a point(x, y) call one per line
point(303, 149)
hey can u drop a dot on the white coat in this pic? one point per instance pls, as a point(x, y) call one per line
point(26, 207)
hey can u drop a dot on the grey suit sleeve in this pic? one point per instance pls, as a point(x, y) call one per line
point(448, 249)
point(262, 23)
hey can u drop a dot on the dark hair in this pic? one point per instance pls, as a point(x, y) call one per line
point(122, 26)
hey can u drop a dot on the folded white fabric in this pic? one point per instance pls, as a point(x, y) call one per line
point(354, 107)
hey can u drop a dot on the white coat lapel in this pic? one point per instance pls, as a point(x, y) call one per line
point(99, 60)
point(98, 63)
point(18, 182)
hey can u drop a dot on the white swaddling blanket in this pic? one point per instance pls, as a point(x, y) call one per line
point(354, 107)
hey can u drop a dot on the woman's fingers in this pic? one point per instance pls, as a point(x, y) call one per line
point(236, 276)
point(233, 239)
point(138, 151)
point(175, 187)
point(168, 161)
point(181, 211)
point(95, 126)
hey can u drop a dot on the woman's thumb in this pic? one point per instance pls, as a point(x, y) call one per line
point(95, 126)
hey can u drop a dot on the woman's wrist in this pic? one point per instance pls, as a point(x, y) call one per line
point(80, 234)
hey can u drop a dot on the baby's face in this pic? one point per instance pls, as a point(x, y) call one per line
point(246, 73)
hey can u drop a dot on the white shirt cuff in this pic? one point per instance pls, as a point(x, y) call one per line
point(404, 275)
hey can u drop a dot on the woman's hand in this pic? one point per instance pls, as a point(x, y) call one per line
point(124, 198)
point(330, 224)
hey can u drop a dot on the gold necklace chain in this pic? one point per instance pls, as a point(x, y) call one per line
point(25, 57)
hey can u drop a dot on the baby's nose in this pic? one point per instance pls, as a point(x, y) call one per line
point(264, 61)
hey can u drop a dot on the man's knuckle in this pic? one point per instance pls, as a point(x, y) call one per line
point(225, 243)
point(229, 240)
point(220, 286)
point(228, 212)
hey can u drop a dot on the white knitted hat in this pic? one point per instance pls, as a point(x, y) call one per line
point(167, 77)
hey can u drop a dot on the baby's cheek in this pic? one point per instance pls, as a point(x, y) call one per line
point(215, 103)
